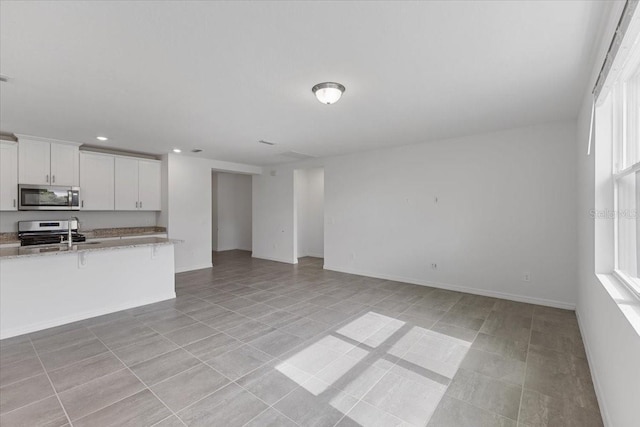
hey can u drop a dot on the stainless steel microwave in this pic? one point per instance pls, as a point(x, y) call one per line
point(48, 198)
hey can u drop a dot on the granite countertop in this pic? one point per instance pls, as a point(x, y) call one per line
point(9, 238)
point(60, 249)
point(121, 232)
point(98, 233)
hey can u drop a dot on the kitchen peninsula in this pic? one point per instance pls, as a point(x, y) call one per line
point(47, 286)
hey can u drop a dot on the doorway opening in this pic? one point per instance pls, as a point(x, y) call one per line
point(231, 216)
point(309, 213)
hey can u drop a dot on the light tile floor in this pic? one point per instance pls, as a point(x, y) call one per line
point(258, 343)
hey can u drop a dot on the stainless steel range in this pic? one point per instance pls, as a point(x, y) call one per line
point(48, 232)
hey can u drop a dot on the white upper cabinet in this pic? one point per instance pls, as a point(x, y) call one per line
point(8, 176)
point(107, 181)
point(137, 184)
point(64, 165)
point(149, 185)
point(126, 184)
point(41, 162)
point(97, 181)
point(34, 162)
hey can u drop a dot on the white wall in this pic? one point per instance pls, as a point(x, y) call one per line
point(609, 316)
point(88, 220)
point(188, 206)
point(273, 215)
point(309, 199)
point(233, 211)
point(214, 211)
point(606, 311)
point(506, 204)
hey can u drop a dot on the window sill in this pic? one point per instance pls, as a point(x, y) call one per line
point(626, 300)
point(632, 284)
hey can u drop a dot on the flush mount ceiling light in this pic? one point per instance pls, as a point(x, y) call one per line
point(177, 150)
point(328, 92)
point(102, 138)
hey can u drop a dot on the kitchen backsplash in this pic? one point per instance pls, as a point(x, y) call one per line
point(88, 220)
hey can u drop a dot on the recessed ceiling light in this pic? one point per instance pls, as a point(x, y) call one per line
point(102, 138)
point(328, 92)
point(177, 150)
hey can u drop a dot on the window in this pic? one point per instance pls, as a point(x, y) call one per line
point(626, 169)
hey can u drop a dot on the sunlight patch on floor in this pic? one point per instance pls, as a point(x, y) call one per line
point(401, 371)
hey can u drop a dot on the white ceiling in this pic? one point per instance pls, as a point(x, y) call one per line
point(221, 76)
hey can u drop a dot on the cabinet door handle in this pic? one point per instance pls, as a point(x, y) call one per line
point(47, 178)
point(141, 204)
point(82, 204)
point(14, 203)
point(136, 205)
point(53, 179)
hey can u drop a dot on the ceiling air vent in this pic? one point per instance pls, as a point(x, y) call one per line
point(296, 155)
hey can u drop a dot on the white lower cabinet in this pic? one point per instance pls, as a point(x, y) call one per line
point(97, 182)
point(81, 284)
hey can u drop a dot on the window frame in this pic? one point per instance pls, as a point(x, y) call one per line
point(620, 152)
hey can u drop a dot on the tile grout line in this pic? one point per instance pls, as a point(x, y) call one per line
point(380, 379)
point(526, 363)
point(305, 342)
point(484, 410)
point(376, 383)
point(274, 358)
point(165, 419)
point(501, 381)
point(221, 387)
point(55, 392)
point(268, 408)
point(138, 378)
point(28, 404)
point(17, 381)
point(368, 307)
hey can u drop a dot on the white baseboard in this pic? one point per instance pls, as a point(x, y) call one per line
point(231, 249)
point(594, 375)
point(268, 258)
point(475, 291)
point(312, 254)
point(193, 267)
point(81, 316)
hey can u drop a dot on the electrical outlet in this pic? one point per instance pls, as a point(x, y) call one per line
point(82, 260)
point(526, 277)
point(434, 266)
